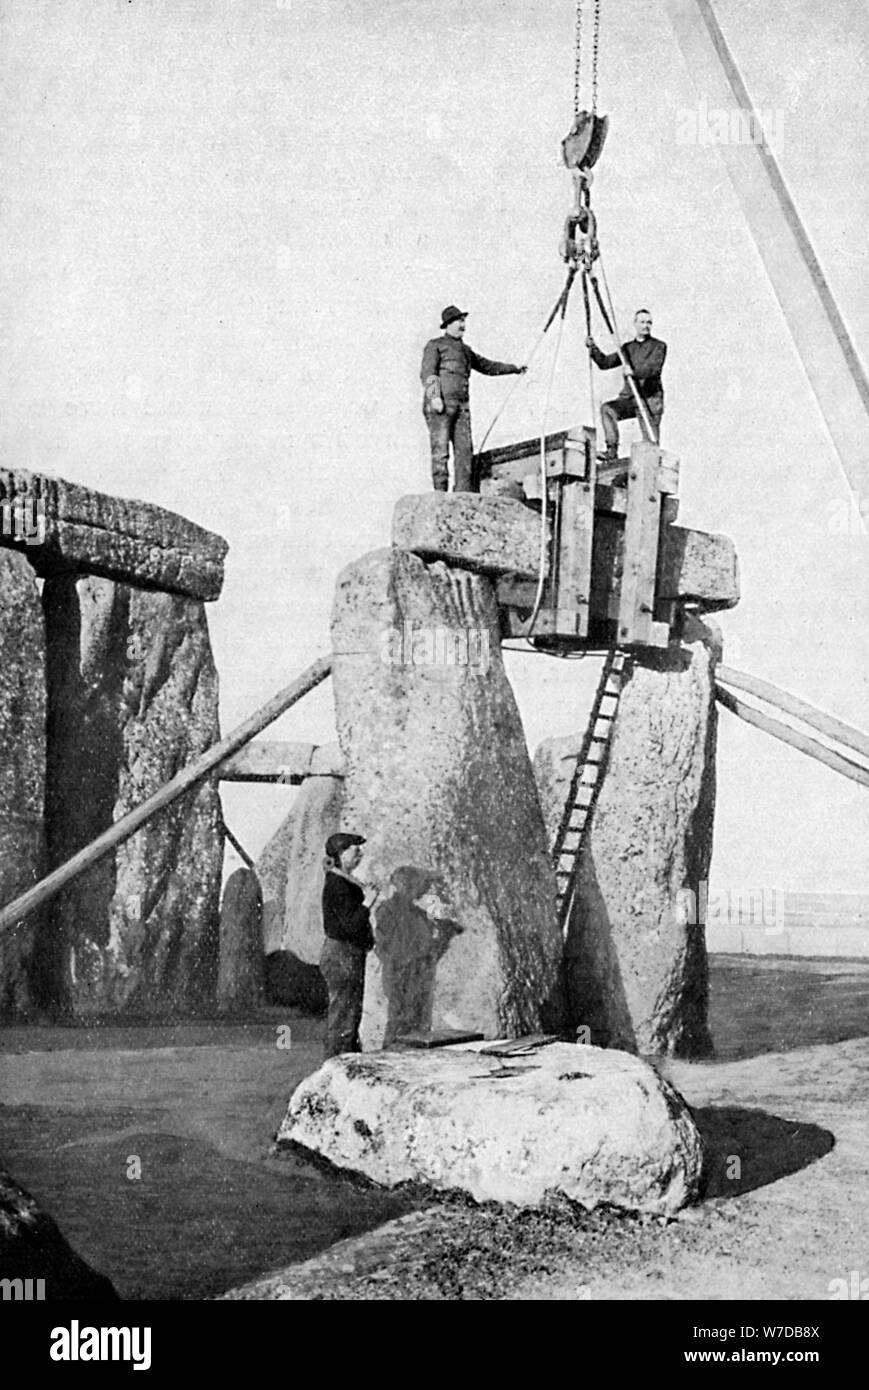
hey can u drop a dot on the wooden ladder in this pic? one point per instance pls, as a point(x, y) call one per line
point(586, 781)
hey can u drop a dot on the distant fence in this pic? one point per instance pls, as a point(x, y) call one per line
point(801, 924)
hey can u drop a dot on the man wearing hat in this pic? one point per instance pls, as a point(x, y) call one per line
point(447, 363)
point(349, 938)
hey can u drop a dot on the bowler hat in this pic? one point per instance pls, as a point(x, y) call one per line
point(450, 314)
point(336, 844)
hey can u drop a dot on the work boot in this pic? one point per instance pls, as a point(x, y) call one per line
point(610, 454)
point(441, 484)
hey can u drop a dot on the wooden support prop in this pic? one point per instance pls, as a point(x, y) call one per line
point(642, 530)
point(238, 847)
point(815, 718)
point(809, 746)
point(188, 777)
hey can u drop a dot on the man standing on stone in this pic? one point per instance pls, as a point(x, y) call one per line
point(645, 357)
point(349, 938)
point(447, 363)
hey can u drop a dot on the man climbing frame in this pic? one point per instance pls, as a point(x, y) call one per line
point(447, 363)
point(644, 356)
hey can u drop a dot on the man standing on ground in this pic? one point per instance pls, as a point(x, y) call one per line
point(447, 363)
point(645, 357)
point(349, 938)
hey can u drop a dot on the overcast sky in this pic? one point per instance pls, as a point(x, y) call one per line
point(230, 226)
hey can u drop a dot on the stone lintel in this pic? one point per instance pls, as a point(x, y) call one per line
point(291, 763)
point(698, 566)
point(500, 537)
point(62, 526)
point(490, 535)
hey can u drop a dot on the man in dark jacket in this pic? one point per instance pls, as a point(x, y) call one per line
point(645, 357)
point(349, 938)
point(447, 363)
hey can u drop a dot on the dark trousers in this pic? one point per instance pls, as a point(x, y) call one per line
point(453, 426)
point(625, 408)
point(343, 968)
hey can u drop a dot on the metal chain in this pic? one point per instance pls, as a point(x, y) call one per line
point(577, 60)
point(595, 44)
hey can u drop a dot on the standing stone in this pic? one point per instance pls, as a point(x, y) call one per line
point(290, 870)
point(132, 698)
point(437, 777)
point(241, 974)
point(637, 967)
point(22, 775)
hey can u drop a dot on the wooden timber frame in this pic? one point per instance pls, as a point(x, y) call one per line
point(604, 547)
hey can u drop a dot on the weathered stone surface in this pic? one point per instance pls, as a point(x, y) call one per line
point(295, 983)
point(32, 1247)
point(437, 777)
point(241, 972)
point(493, 535)
point(637, 967)
point(594, 1126)
point(290, 870)
point(63, 526)
point(22, 775)
point(132, 698)
point(502, 487)
point(700, 566)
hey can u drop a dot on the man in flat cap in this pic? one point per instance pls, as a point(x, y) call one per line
point(349, 938)
point(447, 363)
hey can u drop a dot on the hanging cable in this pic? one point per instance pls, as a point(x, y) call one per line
point(588, 334)
point(600, 304)
point(594, 49)
point(577, 58)
point(562, 298)
point(541, 572)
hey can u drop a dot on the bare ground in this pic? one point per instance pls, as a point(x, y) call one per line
point(786, 1134)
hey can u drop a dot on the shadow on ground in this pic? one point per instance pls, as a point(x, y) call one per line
point(746, 1149)
point(195, 1222)
point(763, 1004)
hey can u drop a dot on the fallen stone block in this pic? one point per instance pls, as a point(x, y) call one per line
point(33, 1248)
point(295, 983)
point(590, 1125)
point(491, 535)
